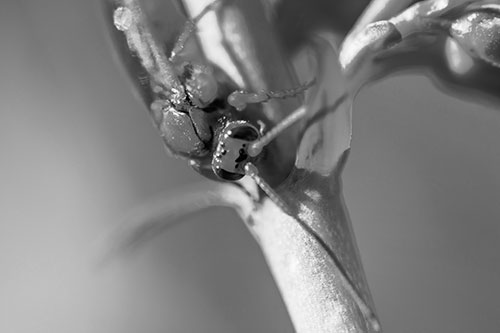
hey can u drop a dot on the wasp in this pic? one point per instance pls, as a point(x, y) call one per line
point(196, 108)
point(198, 111)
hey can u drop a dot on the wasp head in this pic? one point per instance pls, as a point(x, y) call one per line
point(231, 155)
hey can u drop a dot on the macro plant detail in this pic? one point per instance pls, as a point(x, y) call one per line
point(231, 94)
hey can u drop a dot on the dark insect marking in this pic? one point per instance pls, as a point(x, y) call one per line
point(242, 157)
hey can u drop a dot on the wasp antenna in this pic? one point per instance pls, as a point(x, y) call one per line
point(368, 313)
point(256, 147)
point(240, 99)
point(155, 216)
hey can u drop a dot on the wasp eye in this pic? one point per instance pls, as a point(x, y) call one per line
point(201, 85)
point(180, 135)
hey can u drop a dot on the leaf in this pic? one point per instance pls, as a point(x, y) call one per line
point(431, 42)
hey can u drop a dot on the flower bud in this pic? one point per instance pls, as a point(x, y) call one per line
point(478, 33)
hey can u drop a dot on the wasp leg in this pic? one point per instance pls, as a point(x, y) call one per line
point(189, 29)
point(262, 127)
point(239, 99)
point(252, 171)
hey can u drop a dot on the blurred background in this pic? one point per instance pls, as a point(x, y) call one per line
point(77, 151)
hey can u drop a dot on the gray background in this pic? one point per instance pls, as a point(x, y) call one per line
point(77, 151)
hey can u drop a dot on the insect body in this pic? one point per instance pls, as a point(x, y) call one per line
point(189, 125)
point(197, 109)
point(200, 115)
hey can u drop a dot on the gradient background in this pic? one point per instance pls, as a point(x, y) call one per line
point(77, 151)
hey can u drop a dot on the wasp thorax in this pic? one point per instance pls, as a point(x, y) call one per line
point(179, 133)
point(231, 154)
